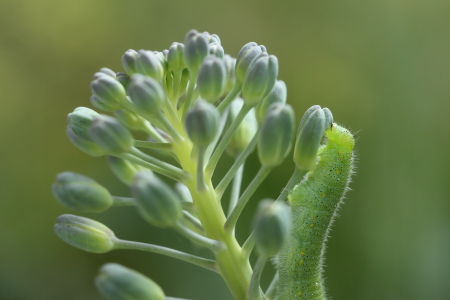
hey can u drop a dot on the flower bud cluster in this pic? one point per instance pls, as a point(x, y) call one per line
point(190, 103)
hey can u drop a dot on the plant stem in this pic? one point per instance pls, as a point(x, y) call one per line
point(196, 260)
point(254, 290)
point(230, 97)
point(221, 187)
point(235, 189)
point(225, 140)
point(161, 164)
point(251, 188)
point(199, 239)
point(153, 145)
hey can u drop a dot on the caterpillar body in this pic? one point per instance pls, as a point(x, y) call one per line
point(314, 202)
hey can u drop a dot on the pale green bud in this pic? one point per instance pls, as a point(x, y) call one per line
point(246, 56)
point(272, 226)
point(212, 38)
point(108, 93)
point(196, 49)
point(123, 78)
point(85, 145)
point(146, 93)
point(85, 234)
point(246, 130)
point(124, 170)
point(277, 94)
point(81, 193)
point(260, 78)
point(80, 120)
point(230, 64)
point(211, 78)
point(129, 119)
point(216, 50)
point(103, 72)
point(129, 60)
point(175, 57)
point(111, 135)
point(157, 202)
point(149, 64)
point(117, 282)
point(202, 123)
point(309, 136)
point(277, 134)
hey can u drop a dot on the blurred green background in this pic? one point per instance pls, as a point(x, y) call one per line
point(382, 67)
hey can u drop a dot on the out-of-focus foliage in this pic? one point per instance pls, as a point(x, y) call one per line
point(382, 67)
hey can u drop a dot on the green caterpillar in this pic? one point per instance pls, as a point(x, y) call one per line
point(314, 202)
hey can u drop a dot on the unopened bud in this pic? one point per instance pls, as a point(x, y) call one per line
point(211, 78)
point(175, 57)
point(85, 145)
point(309, 136)
point(277, 134)
point(230, 64)
point(117, 282)
point(246, 130)
point(157, 202)
point(212, 38)
point(147, 94)
point(81, 193)
point(111, 135)
point(202, 123)
point(216, 50)
point(85, 234)
point(272, 226)
point(149, 64)
point(196, 49)
point(246, 55)
point(80, 120)
point(103, 72)
point(124, 170)
point(129, 61)
point(123, 78)
point(277, 94)
point(260, 78)
point(108, 93)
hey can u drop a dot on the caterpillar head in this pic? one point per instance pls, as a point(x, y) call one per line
point(340, 135)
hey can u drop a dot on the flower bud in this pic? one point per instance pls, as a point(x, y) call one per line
point(110, 135)
point(175, 57)
point(260, 78)
point(117, 282)
point(108, 93)
point(123, 169)
point(146, 93)
point(246, 55)
point(246, 130)
point(85, 234)
point(129, 119)
point(80, 120)
point(212, 38)
point(272, 226)
point(196, 49)
point(277, 94)
point(216, 50)
point(211, 78)
point(202, 123)
point(81, 193)
point(157, 202)
point(309, 136)
point(277, 134)
point(129, 61)
point(123, 78)
point(85, 145)
point(103, 72)
point(230, 64)
point(149, 64)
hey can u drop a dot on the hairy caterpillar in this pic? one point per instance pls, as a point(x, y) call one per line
point(314, 202)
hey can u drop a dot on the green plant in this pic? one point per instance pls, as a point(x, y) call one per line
point(193, 102)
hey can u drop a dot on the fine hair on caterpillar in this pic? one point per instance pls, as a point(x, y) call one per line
point(314, 203)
